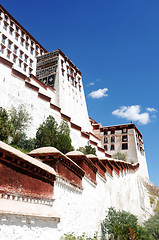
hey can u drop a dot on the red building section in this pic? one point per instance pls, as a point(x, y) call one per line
point(64, 166)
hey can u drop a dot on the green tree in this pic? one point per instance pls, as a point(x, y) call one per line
point(120, 156)
point(121, 225)
point(87, 150)
point(152, 226)
point(5, 125)
point(50, 134)
point(46, 134)
point(20, 120)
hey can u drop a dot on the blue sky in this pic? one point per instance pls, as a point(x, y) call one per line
point(116, 46)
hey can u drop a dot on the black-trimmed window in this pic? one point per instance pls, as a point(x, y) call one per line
point(112, 131)
point(125, 138)
point(105, 140)
point(105, 132)
point(106, 147)
point(112, 147)
point(124, 146)
point(112, 139)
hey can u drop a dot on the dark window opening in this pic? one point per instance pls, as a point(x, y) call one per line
point(124, 146)
point(112, 139)
point(124, 138)
point(112, 147)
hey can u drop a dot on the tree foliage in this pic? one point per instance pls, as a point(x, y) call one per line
point(120, 156)
point(20, 120)
point(5, 125)
point(87, 150)
point(50, 134)
point(152, 226)
point(122, 225)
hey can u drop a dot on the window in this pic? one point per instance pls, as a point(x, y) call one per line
point(124, 146)
point(16, 36)
point(3, 39)
point(112, 131)
point(30, 70)
point(9, 44)
point(80, 88)
point(31, 63)
point(22, 33)
point(22, 42)
point(112, 147)
point(113, 139)
point(72, 81)
point(106, 147)
point(6, 17)
point(2, 49)
point(31, 50)
point(41, 52)
point(20, 63)
point(63, 72)
point(11, 23)
point(14, 59)
point(26, 46)
point(26, 58)
point(27, 38)
point(21, 54)
point(5, 26)
point(124, 138)
point(62, 63)
point(32, 43)
point(75, 84)
point(124, 130)
point(15, 49)
point(17, 29)
point(11, 31)
point(68, 78)
point(105, 140)
point(25, 67)
point(105, 132)
point(79, 80)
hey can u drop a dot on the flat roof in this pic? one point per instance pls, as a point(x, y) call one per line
point(132, 125)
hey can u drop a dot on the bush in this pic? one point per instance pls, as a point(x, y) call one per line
point(49, 134)
point(20, 119)
point(72, 236)
point(87, 150)
point(122, 225)
point(119, 156)
point(28, 144)
point(152, 226)
point(5, 125)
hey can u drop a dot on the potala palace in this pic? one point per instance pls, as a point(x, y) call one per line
point(45, 193)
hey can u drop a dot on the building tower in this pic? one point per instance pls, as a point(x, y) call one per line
point(56, 70)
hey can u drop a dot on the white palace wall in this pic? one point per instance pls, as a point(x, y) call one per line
point(79, 210)
point(15, 92)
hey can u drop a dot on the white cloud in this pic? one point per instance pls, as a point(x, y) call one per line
point(132, 113)
point(92, 84)
point(149, 109)
point(99, 93)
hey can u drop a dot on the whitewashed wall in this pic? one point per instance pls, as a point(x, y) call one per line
point(14, 92)
point(81, 210)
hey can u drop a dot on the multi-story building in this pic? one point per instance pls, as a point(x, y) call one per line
point(17, 44)
point(55, 71)
point(58, 71)
point(125, 139)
